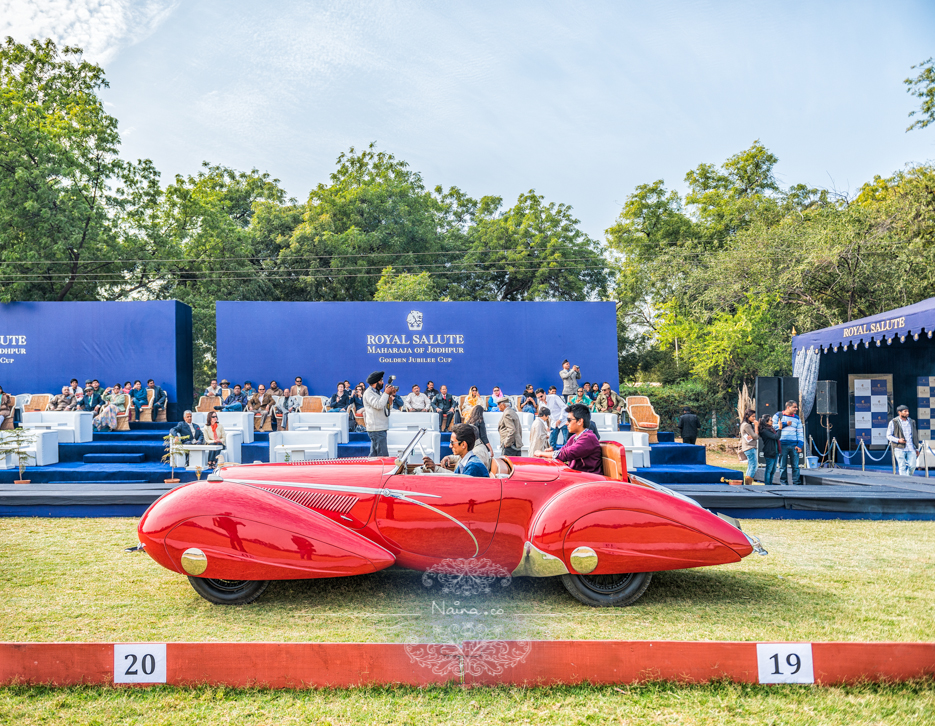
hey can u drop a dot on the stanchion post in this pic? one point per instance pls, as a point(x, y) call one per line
point(893, 458)
point(863, 456)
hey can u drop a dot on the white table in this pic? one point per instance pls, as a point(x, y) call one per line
point(197, 455)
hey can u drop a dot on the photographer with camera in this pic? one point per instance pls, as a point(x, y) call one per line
point(377, 405)
point(570, 376)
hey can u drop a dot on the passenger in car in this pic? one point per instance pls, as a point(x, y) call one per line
point(462, 443)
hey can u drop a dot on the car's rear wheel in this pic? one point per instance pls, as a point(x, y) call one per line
point(228, 592)
point(607, 590)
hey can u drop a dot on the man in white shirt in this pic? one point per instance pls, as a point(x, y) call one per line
point(902, 434)
point(539, 431)
point(559, 418)
point(377, 405)
point(417, 401)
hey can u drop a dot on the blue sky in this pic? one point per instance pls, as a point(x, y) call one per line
point(580, 101)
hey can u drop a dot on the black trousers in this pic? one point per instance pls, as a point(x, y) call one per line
point(688, 439)
point(511, 451)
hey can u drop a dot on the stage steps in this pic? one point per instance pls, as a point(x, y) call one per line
point(98, 458)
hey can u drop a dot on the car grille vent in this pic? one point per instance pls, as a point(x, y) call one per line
point(317, 500)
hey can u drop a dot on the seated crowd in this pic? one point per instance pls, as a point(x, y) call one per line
point(106, 403)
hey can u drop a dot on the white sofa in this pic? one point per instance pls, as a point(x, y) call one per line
point(42, 449)
point(231, 421)
point(336, 421)
point(413, 421)
point(635, 444)
point(72, 427)
point(605, 422)
point(397, 440)
point(303, 445)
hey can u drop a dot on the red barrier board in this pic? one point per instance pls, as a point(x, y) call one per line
point(529, 663)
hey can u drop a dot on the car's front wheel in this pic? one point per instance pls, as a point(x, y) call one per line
point(607, 590)
point(228, 592)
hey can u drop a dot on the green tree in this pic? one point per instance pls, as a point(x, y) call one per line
point(728, 199)
point(531, 251)
point(375, 213)
point(923, 87)
point(405, 286)
point(211, 251)
point(68, 203)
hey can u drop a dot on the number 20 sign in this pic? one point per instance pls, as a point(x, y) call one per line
point(139, 662)
point(785, 662)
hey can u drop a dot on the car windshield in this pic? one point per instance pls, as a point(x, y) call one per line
point(404, 456)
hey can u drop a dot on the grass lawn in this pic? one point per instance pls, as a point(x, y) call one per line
point(905, 705)
point(69, 580)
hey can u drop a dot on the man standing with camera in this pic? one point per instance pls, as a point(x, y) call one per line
point(377, 405)
point(570, 375)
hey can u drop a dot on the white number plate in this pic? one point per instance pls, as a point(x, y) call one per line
point(785, 662)
point(139, 662)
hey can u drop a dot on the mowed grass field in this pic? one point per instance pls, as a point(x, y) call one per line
point(910, 704)
point(69, 580)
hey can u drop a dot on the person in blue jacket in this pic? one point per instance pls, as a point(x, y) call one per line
point(463, 439)
point(791, 441)
point(138, 397)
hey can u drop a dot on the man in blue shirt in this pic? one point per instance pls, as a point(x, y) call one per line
point(463, 439)
point(791, 441)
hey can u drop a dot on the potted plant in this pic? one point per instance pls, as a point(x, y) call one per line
point(174, 447)
point(13, 443)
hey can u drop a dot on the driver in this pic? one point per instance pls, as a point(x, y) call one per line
point(462, 443)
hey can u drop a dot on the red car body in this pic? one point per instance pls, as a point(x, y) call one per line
point(263, 522)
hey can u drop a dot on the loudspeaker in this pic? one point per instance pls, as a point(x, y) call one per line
point(767, 395)
point(790, 390)
point(826, 398)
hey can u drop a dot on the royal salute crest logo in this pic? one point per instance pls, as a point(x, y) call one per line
point(414, 319)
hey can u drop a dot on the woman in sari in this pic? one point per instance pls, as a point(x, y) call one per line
point(214, 434)
point(470, 402)
point(115, 402)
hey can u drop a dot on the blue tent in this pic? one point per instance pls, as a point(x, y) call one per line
point(911, 320)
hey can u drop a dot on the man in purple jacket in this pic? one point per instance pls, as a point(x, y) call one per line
point(582, 452)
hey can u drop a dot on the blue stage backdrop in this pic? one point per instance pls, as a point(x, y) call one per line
point(43, 345)
point(459, 344)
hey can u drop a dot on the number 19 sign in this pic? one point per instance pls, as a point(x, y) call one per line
point(785, 662)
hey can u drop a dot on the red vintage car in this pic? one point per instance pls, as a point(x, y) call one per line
point(603, 535)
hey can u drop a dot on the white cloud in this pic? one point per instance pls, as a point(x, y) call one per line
point(100, 27)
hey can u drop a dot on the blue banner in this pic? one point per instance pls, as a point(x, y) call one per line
point(43, 345)
point(458, 344)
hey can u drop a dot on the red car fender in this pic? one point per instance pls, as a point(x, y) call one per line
point(633, 528)
point(246, 533)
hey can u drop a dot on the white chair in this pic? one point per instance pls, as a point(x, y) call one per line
point(22, 400)
point(397, 440)
point(413, 421)
point(336, 421)
point(72, 427)
point(231, 421)
point(605, 422)
point(636, 445)
point(42, 449)
point(303, 445)
point(232, 452)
